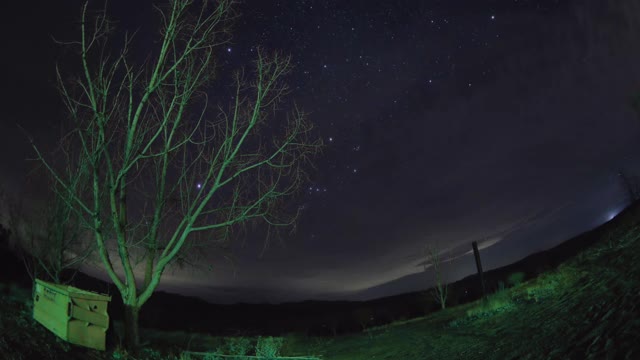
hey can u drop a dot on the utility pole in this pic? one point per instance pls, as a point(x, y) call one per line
point(476, 253)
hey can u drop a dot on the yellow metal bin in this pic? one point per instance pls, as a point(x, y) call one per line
point(77, 316)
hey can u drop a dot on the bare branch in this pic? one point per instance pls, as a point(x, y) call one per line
point(166, 171)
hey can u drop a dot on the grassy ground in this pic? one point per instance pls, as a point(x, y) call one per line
point(585, 309)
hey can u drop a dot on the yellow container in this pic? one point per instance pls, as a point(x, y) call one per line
point(77, 316)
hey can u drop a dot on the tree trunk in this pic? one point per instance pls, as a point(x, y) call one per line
point(131, 334)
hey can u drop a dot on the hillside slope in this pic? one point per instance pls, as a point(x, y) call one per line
point(587, 308)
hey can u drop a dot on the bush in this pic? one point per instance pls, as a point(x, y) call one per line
point(214, 357)
point(496, 303)
point(239, 345)
point(269, 347)
point(231, 348)
point(515, 278)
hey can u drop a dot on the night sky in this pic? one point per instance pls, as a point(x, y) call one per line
point(445, 122)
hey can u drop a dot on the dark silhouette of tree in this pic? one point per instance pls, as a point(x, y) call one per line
point(4, 236)
point(630, 183)
point(47, 237)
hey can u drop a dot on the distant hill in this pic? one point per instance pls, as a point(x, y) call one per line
point(320, 317)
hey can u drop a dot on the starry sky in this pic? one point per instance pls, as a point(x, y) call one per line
point(445, 122)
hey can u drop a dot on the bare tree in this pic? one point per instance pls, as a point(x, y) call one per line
point(165, 173)
point(630, 183)
point(48, 236)
point(433, 259)
point(49, 240)
point(363, 316)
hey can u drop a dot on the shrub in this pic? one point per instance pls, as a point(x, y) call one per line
point(550, 285)
point(515, 278)
point(239, 345)
point(268, 347)
point(498, 302)
point(213, 357)
point(152, 354)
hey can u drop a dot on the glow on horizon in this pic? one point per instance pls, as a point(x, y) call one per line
point(612, 214)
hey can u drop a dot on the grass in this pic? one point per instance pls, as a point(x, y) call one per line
point(585, 309)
